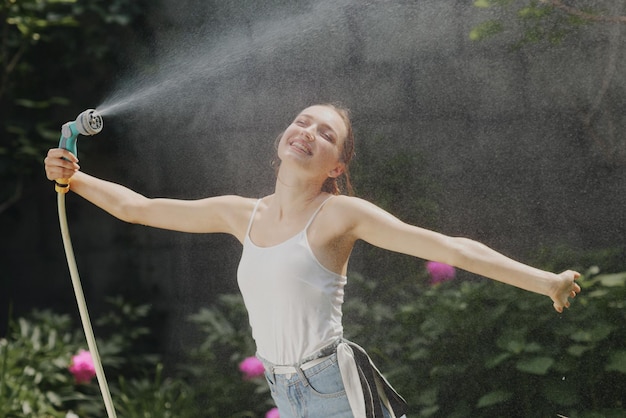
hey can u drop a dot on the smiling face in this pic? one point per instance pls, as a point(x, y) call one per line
point(320, 132)
point(316, 139)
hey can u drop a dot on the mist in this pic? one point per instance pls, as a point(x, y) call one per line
point(197, 110)
point(205, 101)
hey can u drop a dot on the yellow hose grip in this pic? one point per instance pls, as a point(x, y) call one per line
point(62, 185)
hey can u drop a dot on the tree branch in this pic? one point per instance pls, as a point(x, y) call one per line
point(558, 4)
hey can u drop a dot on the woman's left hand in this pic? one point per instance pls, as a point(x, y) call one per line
point(565, 288)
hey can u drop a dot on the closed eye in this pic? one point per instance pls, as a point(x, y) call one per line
point(329, 137)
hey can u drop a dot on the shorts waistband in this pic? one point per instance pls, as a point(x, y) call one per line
point(303, 366)
point(306, 363)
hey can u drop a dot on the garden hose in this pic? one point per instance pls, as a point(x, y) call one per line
point(88, 122)
point(82, 307)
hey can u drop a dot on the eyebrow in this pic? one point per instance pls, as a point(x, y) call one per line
point(323, 124)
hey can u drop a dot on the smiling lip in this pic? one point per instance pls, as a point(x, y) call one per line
point(301, 146)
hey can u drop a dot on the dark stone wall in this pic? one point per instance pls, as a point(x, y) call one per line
point(503, 133)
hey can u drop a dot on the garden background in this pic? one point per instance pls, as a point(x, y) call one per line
point(496, 120)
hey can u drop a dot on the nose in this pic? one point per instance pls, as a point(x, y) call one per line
point(309, 133)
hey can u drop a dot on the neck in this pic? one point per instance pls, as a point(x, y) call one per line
point(294, 195)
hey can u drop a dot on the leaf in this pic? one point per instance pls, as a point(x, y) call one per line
point(598, 333)
point(486, 30)
point(494, 361)
point(613, 280)
point(483, 4)
point(515, 346)
point(617, 362)
point(31, 104)
point(533, 12)
point(578, 350)
point(598, 294)
point(429, 411)
point(54, 399)
point(532, 347)
point(494, 398)
point(535, 365)
point(428, 397)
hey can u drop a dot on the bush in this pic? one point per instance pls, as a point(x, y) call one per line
point(35, 380)
point(455, 349)
point(484, 349)
point(213, 367)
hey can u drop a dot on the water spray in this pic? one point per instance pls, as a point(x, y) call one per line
point(87, 123)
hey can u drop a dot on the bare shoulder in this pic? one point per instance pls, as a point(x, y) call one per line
point(235, 211)
point(344, 202)
point(361, 219)
point(355, 207)
point(349, 212)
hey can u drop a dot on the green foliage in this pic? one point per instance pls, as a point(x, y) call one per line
point(538, 21)
point(33, 366)
point(485, 30)
point(386, 176)
point(438, 342)
point(212, 367)
point(460, 348)
point(560, 257)
point(35, 380)
point(43, 43)
point(128, 350)
point(155, 397)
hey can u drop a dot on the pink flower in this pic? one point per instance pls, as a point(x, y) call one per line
point(251, 367)
point(272, 413)
point(440, 272)
point(82, 367)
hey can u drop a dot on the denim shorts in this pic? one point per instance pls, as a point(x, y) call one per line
point(316, 392)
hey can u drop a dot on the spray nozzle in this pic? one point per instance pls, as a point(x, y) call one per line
point(89, 123)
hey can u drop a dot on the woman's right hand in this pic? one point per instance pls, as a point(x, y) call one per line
point(60, 164)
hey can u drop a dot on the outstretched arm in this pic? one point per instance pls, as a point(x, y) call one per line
point(381, 229)
point(226, 214)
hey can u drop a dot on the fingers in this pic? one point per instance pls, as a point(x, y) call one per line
point(61, 153)
point(559, 307)
point(575, 289)
point(60, 163)
point(568, 290)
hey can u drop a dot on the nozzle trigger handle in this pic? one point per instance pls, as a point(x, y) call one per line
point(69, 134)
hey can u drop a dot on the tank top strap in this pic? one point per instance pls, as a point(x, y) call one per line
point(316, 212)
point(256, 206)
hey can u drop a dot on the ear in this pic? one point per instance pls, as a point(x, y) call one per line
point(337, 171)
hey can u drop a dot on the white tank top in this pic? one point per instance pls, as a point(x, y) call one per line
point(293, 302)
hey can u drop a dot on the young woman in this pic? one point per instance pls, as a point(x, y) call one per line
point(296, 246)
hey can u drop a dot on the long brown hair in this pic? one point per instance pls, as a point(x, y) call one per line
point(334, 185)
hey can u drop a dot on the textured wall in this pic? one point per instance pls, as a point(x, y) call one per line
point(503, 132)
